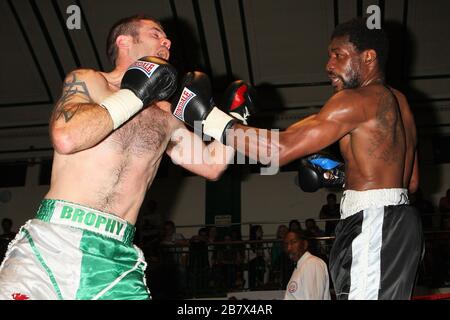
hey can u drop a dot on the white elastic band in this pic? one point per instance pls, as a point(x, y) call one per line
point(215, 123)
point(122, 105)
point(353, 201)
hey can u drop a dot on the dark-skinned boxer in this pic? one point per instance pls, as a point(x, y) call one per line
point(378, 242)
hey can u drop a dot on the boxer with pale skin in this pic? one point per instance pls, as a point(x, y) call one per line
point(110, 131)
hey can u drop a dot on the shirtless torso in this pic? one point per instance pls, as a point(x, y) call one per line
point(113, 174)
point(108, 146)
point(379, 152)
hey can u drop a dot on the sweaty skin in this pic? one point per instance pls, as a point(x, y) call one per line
point(373, 124)
point(111, 170)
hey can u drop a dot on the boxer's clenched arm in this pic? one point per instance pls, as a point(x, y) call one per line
point(190, 152)
point(77, 122)
point(339, 116)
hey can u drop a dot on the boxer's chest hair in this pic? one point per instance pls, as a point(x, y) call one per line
point(143, 134)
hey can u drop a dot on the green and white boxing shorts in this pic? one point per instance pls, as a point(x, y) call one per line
point(73, 252)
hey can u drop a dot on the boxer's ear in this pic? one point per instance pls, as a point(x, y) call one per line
point(305, 244)
point(124, 41)
point(369, 56)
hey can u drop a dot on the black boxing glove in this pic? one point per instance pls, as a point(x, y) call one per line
point(320, 171)
point(147, 80)
point(239, 100)
point(193, 102)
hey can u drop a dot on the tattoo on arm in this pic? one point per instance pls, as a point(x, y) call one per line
point(71, 88)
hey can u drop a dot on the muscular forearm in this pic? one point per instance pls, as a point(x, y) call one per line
point(217, 153)
point(215, 160)
point(272, 146)
point(79, 126)
point(258, 144)
point(189, 151)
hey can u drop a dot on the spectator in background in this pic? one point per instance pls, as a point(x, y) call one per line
point(445, 222)
point(288, 268)
point(170, 236)
point(313, 231)
point(278, 254)
point(330, 210)
point(227, 258)
point(212, 238)
point(173, 262)
point(444, 203)
point(310, 280)
point(440, 254)
point(198, 264)
point(445, 225)
point(8, 233)
point(173, 241)
point(214, 274)
point(202, 236)
point(212, 234)
point(257, 258)
point(294, 225)
point(148, 222)
point(239, 248)
point(6, 237)
point(425, 208)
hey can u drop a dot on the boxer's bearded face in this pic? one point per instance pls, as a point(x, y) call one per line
point(344, 65)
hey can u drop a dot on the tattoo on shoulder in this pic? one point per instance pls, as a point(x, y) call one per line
point(384, 137)
point(71, 87)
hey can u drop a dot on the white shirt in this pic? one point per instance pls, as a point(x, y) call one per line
point(309, 281)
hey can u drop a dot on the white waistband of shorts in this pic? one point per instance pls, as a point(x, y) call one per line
point(355, 201)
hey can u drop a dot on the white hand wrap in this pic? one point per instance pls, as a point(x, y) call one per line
point(215, 123)
point(122, 105)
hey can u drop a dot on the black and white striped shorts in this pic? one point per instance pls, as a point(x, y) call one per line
point(378, 248)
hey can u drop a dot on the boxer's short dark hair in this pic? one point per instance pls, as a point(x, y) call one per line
point(364, 38)
point(127, 26)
